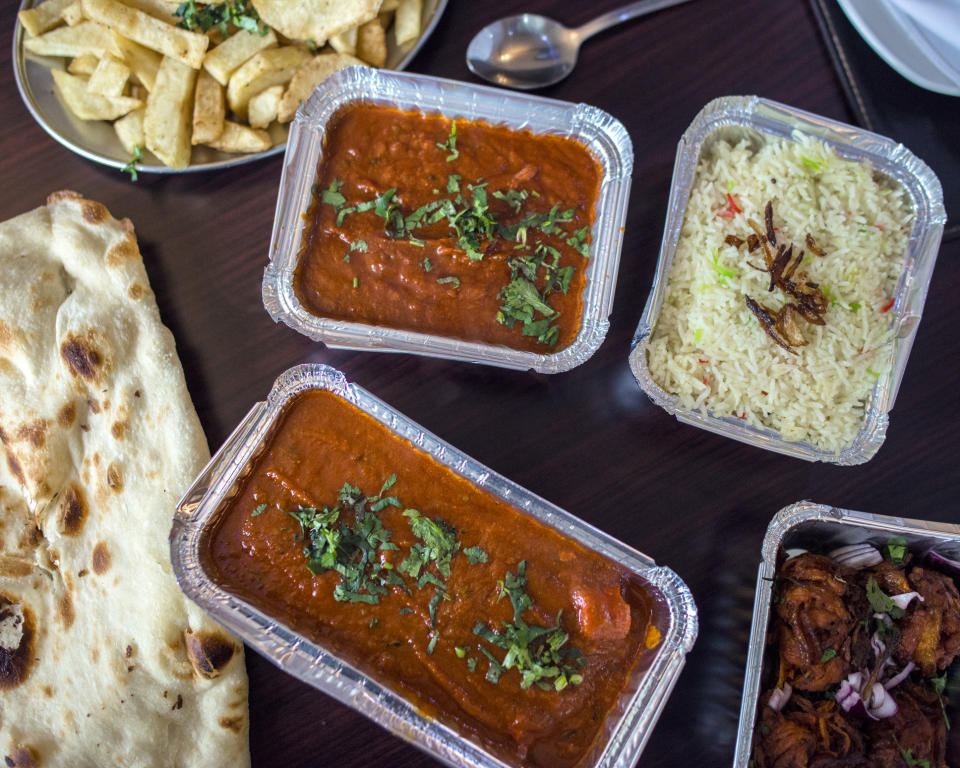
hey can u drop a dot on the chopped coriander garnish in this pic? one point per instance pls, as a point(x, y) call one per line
point(219, 15)
point(131, 167)
point(513, 197)
point(359, 245)
point(880, 601)
point(811, 164)
point(460, 651)
point(895, 550)
point(540, 654)
point(439, 545)
point(259, 510)
point(472, 664)
point(374, 623)
point(855, 305)
point(426, 264)
point(475, 555)
point(350, 550)
point(404, 611)
point(432, 644)
point(356, 282)
point(331, 195)
point(451, 143)
point(454, 281)
point(827, 655)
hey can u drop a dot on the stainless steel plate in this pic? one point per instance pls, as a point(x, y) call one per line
point(96, 139)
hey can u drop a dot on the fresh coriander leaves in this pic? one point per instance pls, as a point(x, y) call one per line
point(351, 550)
point(259, 510)
point(827, 655)
point(475, 555)
point(220, 15)
point(540, 654)
point(454, 281)
point(880, 602)
point(451, 143)
point(131, 167)
point(895, 550)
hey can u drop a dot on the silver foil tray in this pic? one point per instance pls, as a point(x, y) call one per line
point(886, 156)
point(628, 726)
point(818, 527)
point(602, 134)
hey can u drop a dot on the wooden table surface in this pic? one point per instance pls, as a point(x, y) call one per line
point(588, 440)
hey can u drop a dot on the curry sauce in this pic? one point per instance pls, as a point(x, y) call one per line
point(435, 633)
point(446, 227)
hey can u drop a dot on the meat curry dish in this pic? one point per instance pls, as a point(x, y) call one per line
point(498, 626)
point(858, 653)
point(449, 227)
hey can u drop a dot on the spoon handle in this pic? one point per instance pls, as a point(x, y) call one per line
point(625, 13)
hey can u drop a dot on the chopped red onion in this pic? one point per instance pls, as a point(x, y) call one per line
point(902, 601)
point(945, 564)
point(879, 647)
point(875, 704)
point(880, 704)
point(894, 681)
point(780, 697)
point(857, 555)
point(847, 696)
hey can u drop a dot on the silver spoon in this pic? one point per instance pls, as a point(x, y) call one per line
point(531, 51)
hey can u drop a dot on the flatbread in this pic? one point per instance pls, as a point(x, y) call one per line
point(316, 20)
point(103, 660)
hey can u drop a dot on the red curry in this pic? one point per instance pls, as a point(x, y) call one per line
point(422, 641)
point(454, 228)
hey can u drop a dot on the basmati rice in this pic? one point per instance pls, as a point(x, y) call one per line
point(709, 350)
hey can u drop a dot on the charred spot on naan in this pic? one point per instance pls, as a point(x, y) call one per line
point(67, 415)
point(73, 510)
point(209, 652)
point(84, 360)
point(13, 567)
point(119, 429)
point(22, 757)
point(93, 212)
point(115, 477)
point(17, 629)
point(101, 558)
point(34, 432)
point(123, 251)
point(234, 724)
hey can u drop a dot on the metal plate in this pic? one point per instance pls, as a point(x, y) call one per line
point(96, 139)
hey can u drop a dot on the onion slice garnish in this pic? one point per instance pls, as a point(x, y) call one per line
point(780, 697)
point(894, 681)
point(857, 555)
point(903, 600)
point(876, 703)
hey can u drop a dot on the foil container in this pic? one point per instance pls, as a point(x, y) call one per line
point(601, 133)
point(821, 528)
point(628, 725)
point(886, 156)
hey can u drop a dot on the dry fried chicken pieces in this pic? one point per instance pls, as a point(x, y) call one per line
point(808, 735)
point(816, 614)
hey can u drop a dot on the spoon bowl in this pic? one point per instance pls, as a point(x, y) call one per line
point(531, 51)
point(525, 51)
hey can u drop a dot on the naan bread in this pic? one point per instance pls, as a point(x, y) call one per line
point(103, 660)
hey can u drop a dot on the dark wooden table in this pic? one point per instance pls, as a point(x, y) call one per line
point(588, 440)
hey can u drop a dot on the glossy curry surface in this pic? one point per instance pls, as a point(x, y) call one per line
point(355, 270)
point(257, 552)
